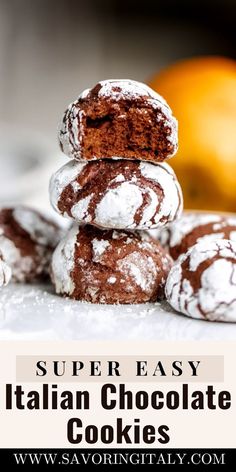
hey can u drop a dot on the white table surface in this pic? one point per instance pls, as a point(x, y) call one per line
point(34, 312)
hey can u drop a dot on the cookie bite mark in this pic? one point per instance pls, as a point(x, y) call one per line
point(109, 266)
point(119, 117)
point(117, 194)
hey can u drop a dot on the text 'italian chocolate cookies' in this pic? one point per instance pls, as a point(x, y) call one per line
point(27, 240)
point(202, 282)
point(117, 194)
point(121, 118)
point(195, 227)
point(109, 266)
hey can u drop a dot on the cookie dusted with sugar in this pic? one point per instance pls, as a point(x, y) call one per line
point(202, 282)
point(195, 227)
point(117, 194)
point(109, 266)
point(121, 118)
point(27, 240)
point(5, 272)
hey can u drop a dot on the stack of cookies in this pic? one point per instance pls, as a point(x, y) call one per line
point(115, 186)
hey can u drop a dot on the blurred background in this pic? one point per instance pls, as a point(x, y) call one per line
point(50, 50)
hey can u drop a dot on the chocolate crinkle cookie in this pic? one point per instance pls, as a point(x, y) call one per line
point(117, 194)
point(109, 266)
point(27, 240)
point(121, 118)
point(202, 282)
point(194, 227)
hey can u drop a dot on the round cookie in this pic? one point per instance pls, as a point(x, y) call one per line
point(202, 282)
point(117, 194)
point(192, 228)
point(27, 240)
point(119, 118)
point(109, 266)
point(5, 272)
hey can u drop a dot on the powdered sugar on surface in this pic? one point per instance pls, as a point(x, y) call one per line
point(173, 234)
point(35, 312)
point(172, 203)
point(187, 223)
point(127, 88)
point(118, 178)
point(233, 235)
point(210, 237)
point(176, 231)
point(118, 206)
point(76, 186)
point(71, 130)
point(231, 220)
point(64, 176)
point(20, 265)
point(79, 211)
point(41, 231)
point(99, 247)
point(215, 299)
point(111, 280)
point(150, 210)
point(218, 292)
point(142, 269)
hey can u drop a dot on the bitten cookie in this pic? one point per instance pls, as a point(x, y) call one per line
point(202, 282)
point(117, 194)
point(5, 272)
point(192, 228)
point(109, 266)
point(119, 118)
point(27, 240)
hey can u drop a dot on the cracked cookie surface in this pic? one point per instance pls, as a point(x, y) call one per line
point(27, 240)
point(202, 282)
point(195, 227)
point(117, 194)
point(109, 266)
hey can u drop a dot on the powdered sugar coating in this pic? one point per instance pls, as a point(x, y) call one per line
point(187, 223)
point(143, 196)
point(79, 211)
point(62, 177)
point(118, 206)
point(119, 88)
point(63, 262)
point(109, 266)
point(142, 270)
point(99, 247)
point(71, 131)
point(202, 282)
point(195, 227)
point(26, 242)
point(5, 272)
point(164, 175)
point(40, 230)
point(20, 265)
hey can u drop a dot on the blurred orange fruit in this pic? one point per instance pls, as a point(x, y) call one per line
point(202, 95)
